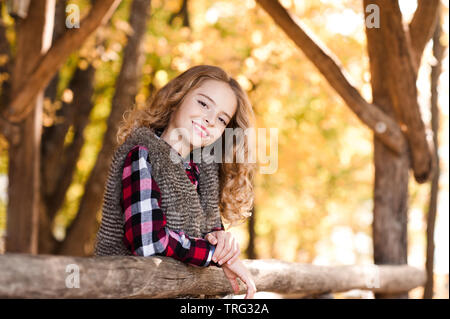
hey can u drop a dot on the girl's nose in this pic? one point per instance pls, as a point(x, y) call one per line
point(209, 121)
point(209, 116)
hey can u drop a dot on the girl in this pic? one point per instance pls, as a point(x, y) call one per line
point(157, 200)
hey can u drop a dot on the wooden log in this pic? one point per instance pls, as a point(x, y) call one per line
point(48, 276)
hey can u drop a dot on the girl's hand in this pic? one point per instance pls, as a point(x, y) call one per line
point(235, 270)
point(227, 247)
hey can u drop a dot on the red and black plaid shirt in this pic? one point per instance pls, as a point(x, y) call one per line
point(146, 232)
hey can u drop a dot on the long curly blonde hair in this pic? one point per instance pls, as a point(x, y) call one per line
point(236, 179)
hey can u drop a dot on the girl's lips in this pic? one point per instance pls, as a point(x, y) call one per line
point(202, 130)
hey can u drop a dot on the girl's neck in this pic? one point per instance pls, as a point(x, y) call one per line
point(182, 148)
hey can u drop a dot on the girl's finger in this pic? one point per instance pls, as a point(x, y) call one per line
point(236, 256)
point(211, 238)
point(234, 253)
point(231, 276)
point(251, 288)
point(229, 245)
point(226, 257)
point(235, 285)
point(224, 247)
point(218, 250)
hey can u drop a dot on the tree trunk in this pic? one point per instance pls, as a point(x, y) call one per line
point(389, 228)
point(438, 52)
point(59, 160)
point(33, 39)
point(402, 90)
point(58, 31)
point(46, 240)
point(81, 233)
point(5, 51)
point(391, 171)
point(251, 251)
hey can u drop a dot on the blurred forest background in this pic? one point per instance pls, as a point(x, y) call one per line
point(318, 206)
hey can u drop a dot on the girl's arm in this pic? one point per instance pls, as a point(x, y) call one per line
point(146, 231)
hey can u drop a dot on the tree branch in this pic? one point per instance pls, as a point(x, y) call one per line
point(402, 87)
point(58, 53)
point(183, 13)
point(422, 26)
point(383, 126)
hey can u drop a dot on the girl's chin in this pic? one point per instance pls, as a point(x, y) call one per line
point(199, 143)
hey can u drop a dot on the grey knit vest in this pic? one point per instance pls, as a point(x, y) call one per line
point(195, 213)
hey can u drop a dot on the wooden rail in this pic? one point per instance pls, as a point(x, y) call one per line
point(48, 276)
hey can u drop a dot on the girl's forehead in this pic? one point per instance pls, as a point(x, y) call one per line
point(222, 97)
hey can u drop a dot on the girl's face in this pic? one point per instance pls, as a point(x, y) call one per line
point(204, 113)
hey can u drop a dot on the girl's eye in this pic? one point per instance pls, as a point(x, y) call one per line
point(202, 103)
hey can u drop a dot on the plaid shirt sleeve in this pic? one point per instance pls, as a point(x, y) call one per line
point(146, 231)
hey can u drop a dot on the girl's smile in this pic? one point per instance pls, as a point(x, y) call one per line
point(201, 130)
